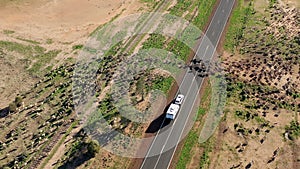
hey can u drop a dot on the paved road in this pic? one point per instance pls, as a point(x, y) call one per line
point(162, 149)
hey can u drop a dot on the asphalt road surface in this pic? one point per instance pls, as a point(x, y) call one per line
point(162, 149)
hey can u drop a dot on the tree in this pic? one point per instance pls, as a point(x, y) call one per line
point(93, 148)
point(18, 101)
point(12, 107)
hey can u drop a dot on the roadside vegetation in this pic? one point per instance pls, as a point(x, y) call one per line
point(197, 12)
point(181, 7)
point(262, 91)
point(191, 148)
point(205, 9)
point(238, 21)
point(156, 41)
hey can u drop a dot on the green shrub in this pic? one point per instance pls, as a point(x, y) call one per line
point(181, 7)
point(162, 84)
point(18, 101)
point(185, 155)
point(293, 129)
point(179, 49)
point(93, 148)
point(75, 47)
point(12, 107)
point(205, 7)
point(154, 41)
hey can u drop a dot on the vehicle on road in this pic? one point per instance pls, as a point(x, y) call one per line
point(172, 111)
point(179, 99)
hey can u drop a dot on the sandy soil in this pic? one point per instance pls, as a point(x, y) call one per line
point(231, 153)
point(13, 79)
point(64, 20)
point(295, 3)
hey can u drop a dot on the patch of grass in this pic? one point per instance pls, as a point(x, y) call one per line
point(260, 120)
point(201, 111)
point(204, 161)
point(29, 40)
point(206, 97)
point(150, 3)
point(272, 2)
point(34, 54)
point(105, 110)
point(26, 50)
point(162, 84)
point(49, 41)
point(205, 8)
point(114, 49)
point(154, 41)
point(77, 47)
point(193, 136)
point(180, 7)
point(179, 49)
point(41, 61)
point(8, 32)
point(238, 21)
point(185, 155)
point(140, 85)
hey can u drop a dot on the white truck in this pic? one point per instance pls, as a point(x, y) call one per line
point(174, 107)
point(172, 111)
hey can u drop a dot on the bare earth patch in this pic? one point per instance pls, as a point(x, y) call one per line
point(64, 20)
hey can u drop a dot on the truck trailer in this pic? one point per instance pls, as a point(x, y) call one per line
point(172, 111)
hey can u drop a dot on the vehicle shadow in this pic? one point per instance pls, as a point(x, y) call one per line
point(4, 112)
point(159, 122)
